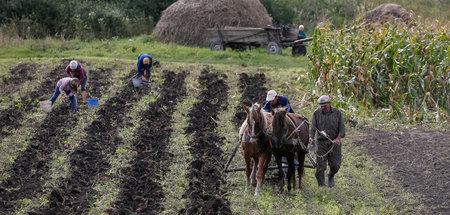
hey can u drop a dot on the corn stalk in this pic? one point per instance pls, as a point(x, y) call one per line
point(403, 68)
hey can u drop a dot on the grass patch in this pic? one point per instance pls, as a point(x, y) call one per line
point(131, 48)
point(175, 187)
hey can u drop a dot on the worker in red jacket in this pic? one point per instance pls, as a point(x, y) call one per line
point(75, 70)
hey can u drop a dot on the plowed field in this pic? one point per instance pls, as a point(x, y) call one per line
point(118, 157)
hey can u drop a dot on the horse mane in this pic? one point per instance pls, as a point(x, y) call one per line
point(263, 115)
point(255, 107)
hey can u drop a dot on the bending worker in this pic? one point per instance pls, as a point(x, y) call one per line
point(143, 66)
point(67, 87)
point(276, 101)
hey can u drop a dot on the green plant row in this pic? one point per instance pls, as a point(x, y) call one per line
point(403, 68)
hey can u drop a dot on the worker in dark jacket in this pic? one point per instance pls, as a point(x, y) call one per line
point(143, 66)
point(276, 101)
point(75, 70)
point(328, 123)
point(301, 32)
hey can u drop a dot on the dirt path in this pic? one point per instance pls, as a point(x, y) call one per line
point(89, 160)
point(205, 179)
point(141, 193)
point(419, 159)
point(31, 166)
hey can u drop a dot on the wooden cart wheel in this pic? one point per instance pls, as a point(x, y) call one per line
point(217, 45)
point(274, 48)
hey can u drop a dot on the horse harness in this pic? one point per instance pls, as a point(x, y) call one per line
point(296, 133)
point(246, 136)
point(297, 141)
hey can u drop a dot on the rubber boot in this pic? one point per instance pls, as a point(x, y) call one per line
point(330, 180)
point(320, 179)
point(331, 173)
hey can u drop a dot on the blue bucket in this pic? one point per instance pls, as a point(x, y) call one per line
point(93, 102)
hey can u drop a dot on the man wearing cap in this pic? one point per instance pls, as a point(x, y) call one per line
point(328, 122)
point(143, 66)
point(75, 70)
point(276, 101)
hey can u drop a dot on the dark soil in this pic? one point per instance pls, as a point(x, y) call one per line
point(11, 118)
point(419, 159)
point(88, 163)
point(98, 81)
point(19, 74)
point(141, 193)
point(31, 166)
point(253, 90)
point(205, 178)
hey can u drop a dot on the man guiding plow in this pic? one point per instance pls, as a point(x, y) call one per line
point(328, 122)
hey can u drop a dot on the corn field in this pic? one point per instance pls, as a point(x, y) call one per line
point(401, 68)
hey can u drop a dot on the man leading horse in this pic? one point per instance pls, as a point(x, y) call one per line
point(328, 123)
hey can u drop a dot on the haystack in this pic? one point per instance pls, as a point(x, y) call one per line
point(185, 21)
point(388, 12)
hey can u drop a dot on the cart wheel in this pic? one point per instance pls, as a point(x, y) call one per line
point(274, 48)
point(217, 45)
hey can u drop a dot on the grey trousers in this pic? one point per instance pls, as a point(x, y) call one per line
point(334, 158)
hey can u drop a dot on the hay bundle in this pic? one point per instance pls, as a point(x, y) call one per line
point(388, 12)
point(185, 21)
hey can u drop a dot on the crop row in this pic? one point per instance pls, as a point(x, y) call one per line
point(403, 68)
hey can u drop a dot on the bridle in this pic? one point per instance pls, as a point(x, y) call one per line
point(251, 122)
point(287, 136)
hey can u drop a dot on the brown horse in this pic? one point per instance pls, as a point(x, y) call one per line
point(254, 139)
point(290, 135)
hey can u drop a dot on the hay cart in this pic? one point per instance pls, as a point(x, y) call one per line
point(241, 38)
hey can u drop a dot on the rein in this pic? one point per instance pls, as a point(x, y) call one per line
point(262, 130)
point(296, 129)
point(329, 151)
point(294, 132)
point(326, 136)
point(259, 133)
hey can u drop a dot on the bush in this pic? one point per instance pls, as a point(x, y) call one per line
point(83, 19)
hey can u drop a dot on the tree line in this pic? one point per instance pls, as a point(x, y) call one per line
point(89, 19)
point(86, 19)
